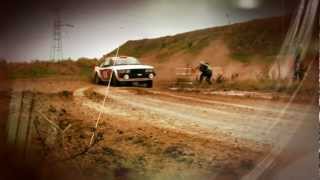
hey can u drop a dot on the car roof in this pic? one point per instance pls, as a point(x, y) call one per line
point(115, 58)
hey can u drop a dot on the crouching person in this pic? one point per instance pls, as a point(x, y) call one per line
point(206, 72)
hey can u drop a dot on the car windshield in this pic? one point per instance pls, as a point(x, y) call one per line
point(127, 61)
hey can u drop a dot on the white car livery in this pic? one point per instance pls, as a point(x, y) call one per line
point(123, 70)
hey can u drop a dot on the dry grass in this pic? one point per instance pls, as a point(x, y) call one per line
point(258, 37)
point(81, 68)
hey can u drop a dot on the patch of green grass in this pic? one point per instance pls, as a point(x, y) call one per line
point(32, 72)
point(82, 68)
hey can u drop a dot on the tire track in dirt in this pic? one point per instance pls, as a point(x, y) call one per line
point(263, 108)
point(195, 119)
point(19, 121)
point(240, 125)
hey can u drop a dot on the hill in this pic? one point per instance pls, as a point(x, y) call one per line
point(242, 53)
point(244, 48)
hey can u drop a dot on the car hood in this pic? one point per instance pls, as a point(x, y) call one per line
point(137, 66)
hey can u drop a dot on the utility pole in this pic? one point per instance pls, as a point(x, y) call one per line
point(228, 19)
point(229, 23)
point(117, 52)
point(56, 53)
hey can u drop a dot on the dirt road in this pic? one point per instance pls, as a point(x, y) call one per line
point(266, 123)
point(272, 123)
point(163, 134)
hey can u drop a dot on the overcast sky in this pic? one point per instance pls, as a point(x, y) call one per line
point(102, 25)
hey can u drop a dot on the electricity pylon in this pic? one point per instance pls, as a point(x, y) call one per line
point(56, 53)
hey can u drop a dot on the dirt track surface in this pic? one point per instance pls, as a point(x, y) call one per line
point(262, 123)
point(166, 135)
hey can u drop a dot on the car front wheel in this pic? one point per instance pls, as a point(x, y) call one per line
point(114, 81)
point(149, 84)
point(97, 79)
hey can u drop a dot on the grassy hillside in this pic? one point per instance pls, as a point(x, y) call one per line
point(82, 68)
point(244, 40)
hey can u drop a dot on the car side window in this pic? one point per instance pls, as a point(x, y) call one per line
point(106, 63)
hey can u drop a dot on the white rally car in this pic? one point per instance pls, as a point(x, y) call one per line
point(126, 70)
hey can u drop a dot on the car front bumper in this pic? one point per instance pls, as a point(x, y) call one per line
point(134, 79)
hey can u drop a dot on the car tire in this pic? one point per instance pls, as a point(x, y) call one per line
point(149, 84)
point(97, 80)
point(114, 80)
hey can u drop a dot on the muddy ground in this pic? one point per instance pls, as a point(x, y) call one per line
point(153, 133)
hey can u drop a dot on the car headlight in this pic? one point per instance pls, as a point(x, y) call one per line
point(151, 76)
point(149, 70)
point(126, 77)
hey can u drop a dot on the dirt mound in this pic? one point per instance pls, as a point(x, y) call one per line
point(95, 96)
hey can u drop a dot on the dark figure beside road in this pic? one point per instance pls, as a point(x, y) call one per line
point(206, 72)
point(298, 69)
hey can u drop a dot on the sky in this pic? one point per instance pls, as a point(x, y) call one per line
point(102, 25)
